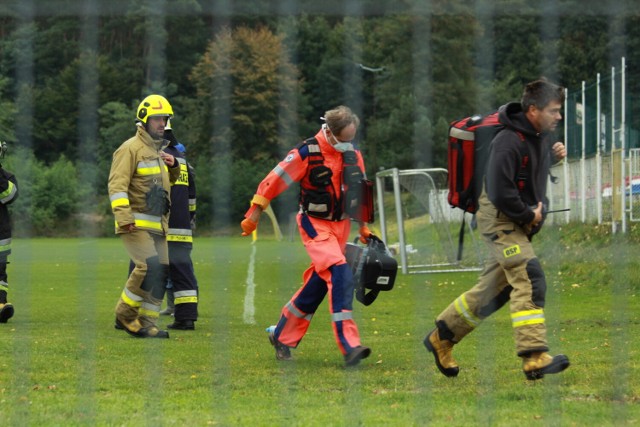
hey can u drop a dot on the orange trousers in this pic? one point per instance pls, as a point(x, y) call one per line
point(325, 242)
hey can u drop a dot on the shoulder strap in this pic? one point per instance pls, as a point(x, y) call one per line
point(313, 151)
point(521, 177)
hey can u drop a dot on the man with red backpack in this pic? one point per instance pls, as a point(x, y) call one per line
point(511, 211)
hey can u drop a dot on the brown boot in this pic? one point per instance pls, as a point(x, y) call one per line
point(442, 350)
point(539, 363)
point(135, 329)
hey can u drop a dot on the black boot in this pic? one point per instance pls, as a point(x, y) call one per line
point(182, 325)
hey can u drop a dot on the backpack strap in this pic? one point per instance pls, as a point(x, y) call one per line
point(312, 151)
point(521, 177)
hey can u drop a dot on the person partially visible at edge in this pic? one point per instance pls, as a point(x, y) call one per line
point(8, 194)
point(320, 165)
point(139, 185)
point(512, 211)
point(182, 291)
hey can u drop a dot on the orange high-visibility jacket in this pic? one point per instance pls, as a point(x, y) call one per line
point(295, 167)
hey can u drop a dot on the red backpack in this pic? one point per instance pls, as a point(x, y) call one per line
point(468, 152)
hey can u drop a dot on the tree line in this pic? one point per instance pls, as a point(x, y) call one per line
point(246, 86)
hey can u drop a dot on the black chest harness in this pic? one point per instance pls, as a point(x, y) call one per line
point(354, 198)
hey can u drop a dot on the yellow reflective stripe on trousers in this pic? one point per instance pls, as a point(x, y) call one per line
point(131, 299)
point(4, 286)
point(119, 199)
point(463, 310)
point(148, 221)
point(9, 193)
point(179, 235)
point(527, 317)
point(184, 297)
point(149, 310)
point(185, 300)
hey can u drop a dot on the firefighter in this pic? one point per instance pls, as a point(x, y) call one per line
point(181, 280)
point(183, 290)
point(319, 164)
point(139, 184)
point(510, 215)
point(8, 193)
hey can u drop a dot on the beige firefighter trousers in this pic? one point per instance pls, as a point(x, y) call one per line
point(512, 273)
point(148, 252)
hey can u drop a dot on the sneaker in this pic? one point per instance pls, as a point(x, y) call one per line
point(135, 330)
point(182, 325)
point(442, 352)
point(539, 363)
point(282, 351)
point(6, 312)
point(356, 355)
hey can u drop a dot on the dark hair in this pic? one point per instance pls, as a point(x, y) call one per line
point(540, 93)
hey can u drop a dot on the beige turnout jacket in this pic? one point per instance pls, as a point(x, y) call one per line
point(135, 169)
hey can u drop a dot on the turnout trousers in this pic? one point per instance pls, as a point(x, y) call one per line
point(512, 274)
point(183, 281)
point(329, 274)
point(142, 295)
point(4, 285)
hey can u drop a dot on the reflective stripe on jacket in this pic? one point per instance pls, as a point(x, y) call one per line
point(295, 168)
point(135, 169)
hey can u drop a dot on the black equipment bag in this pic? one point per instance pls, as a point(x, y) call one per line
point(373, 267)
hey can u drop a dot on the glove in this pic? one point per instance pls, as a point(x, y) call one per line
point(248, 226)
point(365, 234)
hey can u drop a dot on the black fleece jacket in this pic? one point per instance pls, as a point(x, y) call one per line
point(505, 162)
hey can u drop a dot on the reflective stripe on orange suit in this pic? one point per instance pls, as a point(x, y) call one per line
point(328, 274)
point(294, 169)
point(325, 242)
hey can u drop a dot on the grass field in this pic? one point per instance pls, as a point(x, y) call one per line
point(63, 364)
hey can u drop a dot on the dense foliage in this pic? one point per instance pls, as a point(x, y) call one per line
point(250, 80)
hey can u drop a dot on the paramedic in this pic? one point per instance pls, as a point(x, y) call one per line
point(321, 164)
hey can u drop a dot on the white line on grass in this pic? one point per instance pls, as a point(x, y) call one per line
point(249, 307)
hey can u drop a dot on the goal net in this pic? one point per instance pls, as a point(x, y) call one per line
point(420, 227)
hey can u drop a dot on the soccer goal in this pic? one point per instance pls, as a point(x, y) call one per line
point(420, 227)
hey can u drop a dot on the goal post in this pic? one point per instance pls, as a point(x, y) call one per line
point(419, 226)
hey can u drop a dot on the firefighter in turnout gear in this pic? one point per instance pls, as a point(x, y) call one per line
point(139, 185)
point(509, 215)
point(184, 286)
point(324, 224)
point(8, 193)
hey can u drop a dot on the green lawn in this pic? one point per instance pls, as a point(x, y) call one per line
point(63, 364)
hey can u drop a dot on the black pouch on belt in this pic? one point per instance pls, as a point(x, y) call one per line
point(157, 201)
